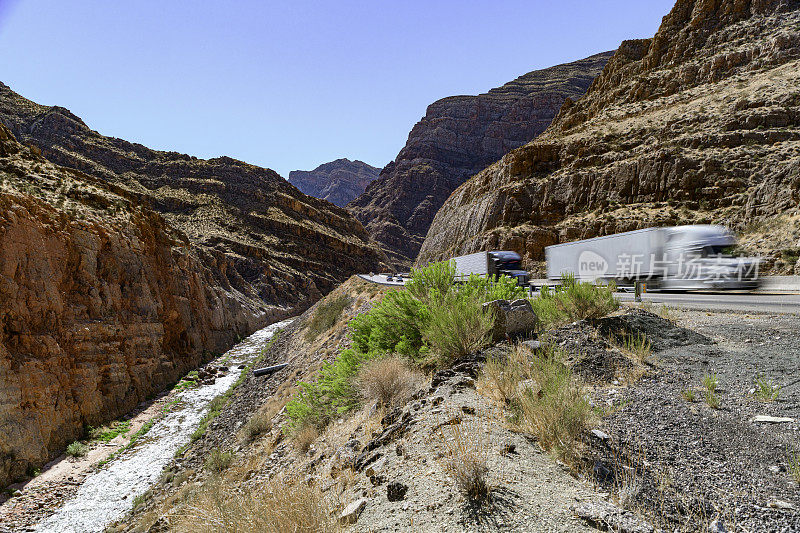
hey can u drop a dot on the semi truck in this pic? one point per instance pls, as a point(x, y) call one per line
point(491, 264)
point(693, 257)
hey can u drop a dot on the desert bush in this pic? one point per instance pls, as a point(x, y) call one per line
point(256, 425)
point(276, 506)
point(574, 300)
point(326, 315)
point(304, 437)
point(218, 461)
point(544, 397)
point(77, 449)
point(487, 289)
point(467, 460)
point(457, 326)
point(432, 282)
point(430, 323)
point(389, 380)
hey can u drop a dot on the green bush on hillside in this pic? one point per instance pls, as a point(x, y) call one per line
point(573, 301)
point(431, 323)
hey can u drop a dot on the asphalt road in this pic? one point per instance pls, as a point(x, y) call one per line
point(748, 302)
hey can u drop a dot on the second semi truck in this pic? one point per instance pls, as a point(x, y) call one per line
point(677, 258)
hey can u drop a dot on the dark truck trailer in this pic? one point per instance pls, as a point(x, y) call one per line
point(491, 264)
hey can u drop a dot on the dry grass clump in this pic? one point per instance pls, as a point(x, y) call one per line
point(467, 460)
point(389, 380)
point(304, 437)
point(218, 461)
point(326, 315)
point(273, 507)
point(542, 396)
point(794, 466)
point(258, 424)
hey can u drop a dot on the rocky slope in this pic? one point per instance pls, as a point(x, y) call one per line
point(103, 304)
point(698, 124)
point(339, 182)
point(274, 243)
point(458, 137)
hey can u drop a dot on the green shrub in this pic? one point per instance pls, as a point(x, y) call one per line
point(573, 301)
point(432, 322)
point(325, 315)
point(457, 326)
point(432, 282)
point(77, 449)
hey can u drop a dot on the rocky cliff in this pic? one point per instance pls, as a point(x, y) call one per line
point(122, 268)
point(458, 137)
point(103, 304)
point(339, 182)
point(281, 247)
point(699, 124)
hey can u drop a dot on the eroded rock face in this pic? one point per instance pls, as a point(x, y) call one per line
point(458, 137)
point(279, 246)
point(699, 124)
point(103, 303)
point(339, 182)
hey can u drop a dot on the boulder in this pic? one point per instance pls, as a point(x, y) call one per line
point(511, 318)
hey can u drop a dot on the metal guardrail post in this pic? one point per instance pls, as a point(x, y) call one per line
point(638, 289)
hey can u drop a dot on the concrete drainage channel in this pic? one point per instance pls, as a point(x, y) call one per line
point(109, 493)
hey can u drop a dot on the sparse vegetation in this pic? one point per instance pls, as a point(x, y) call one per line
point(430, 323)
point(639, 346)
point(712, 400)
point(256, 425)
point(218, 461)
point(574, 300)
point(273, 507)
point(77, 449)
point(543, 396)
point(689, 395)
point(467, 460)
point(710, 382)
point(794, 466)
point(766, 390)
point(107, 433)
point(305, 437)
point(325, 315)
point(389, 381)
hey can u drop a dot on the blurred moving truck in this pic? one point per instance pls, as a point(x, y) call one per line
point(678, 258)
point(491, 264)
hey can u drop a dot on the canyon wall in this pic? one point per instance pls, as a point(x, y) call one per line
point(458, 137)
point(103, 304)
point(700, 124)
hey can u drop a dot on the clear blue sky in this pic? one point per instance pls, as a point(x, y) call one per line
point(289, 85)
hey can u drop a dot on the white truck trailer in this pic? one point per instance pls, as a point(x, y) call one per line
point(492, 264)
point(677, 258)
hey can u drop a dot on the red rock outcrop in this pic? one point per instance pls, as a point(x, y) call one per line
point(458, 137)
point(699, 124)
point(338, 182)
point(103, 304)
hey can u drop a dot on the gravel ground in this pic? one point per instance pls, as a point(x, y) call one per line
point(689, 466)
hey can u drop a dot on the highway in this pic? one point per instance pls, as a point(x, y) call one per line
point(733, 301)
